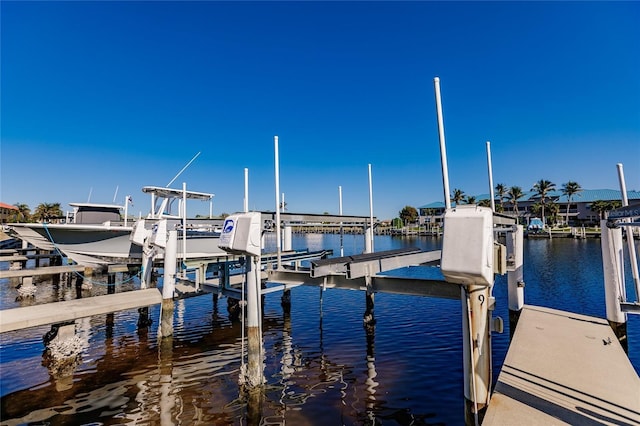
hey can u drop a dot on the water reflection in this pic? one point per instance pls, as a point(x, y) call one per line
point(321, 366)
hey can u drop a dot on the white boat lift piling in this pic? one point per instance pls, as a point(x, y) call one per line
point(514, 257)
point(616, 302)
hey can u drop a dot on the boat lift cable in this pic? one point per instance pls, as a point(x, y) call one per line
point(78, 274)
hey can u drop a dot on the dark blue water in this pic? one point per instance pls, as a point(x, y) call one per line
point(321, 365)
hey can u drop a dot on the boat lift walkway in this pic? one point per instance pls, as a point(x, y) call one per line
point(564, 368)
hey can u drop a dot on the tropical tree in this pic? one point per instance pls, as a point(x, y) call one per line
point(570, 189)
point(542, 189)
point(471, 199)
point(485, 203)
point(46, 211)
point(408, 214)
point(23, 214)
point(501, 191)
point(535, 209)
point(553, 211)
point(514, 194)
point(602, 207)
point(458, 196)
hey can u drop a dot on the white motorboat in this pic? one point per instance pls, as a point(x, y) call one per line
point(96, 234)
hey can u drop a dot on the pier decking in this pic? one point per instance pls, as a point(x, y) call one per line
point(50, 313)
point(46, 270)
point(564, 368)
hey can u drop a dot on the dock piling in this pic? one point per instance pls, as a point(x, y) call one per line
point(515, 277)
point(476, 349)
point(169, 283)
point(614, 290)
point(254, 375)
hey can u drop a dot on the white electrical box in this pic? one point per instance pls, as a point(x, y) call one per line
point(241, 234)
point(467, 245)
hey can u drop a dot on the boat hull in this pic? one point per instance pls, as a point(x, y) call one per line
point(100, 245)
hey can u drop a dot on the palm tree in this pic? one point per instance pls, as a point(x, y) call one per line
point(553, 210)
point(542, 189)
point(23, 214)
point(46, 211)
point(501, 190)
point(515, 192)
point(484, 203)
point(570, 189)
point(471, 199)
point(458, 196)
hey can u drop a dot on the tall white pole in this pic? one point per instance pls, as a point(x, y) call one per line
point(630, 244)
point(184, 220)
point(371, 209)
point(340, 213)
point(443, 148)
point(489, 166)
point(246, 190)
point(277, 178)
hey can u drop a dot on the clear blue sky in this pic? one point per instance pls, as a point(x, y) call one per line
point(99, 95)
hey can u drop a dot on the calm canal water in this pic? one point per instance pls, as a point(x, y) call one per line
point(321, 366)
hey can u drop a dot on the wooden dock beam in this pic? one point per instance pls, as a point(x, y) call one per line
point(50, 313)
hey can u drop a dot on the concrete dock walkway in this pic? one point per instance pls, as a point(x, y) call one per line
point(564, 368)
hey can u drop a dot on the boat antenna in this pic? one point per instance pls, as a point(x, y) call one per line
point(116, 194)
point(89, 197)
point(183, 169)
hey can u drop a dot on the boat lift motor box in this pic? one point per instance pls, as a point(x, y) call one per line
point(467, 246)
point(241, 234)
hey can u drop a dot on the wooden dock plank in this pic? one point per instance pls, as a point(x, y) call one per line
point(51, 313)
point(46, 270)
point(564, 368)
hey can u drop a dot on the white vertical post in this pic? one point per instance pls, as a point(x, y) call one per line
point(153, 206)
point(246, 190)
point(614, 290)
point(169, 284)
point(286, 240)
point(515, 278)
point(490, 167)
point(372, 247)
point(170, 258)
point(211, 209)
point(184, 220)
point(443, 148)
point(126, 209)
point(630, 244)
point(277, 178)
point(340, 213)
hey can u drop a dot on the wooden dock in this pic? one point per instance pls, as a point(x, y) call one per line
point(46, 270)
point(564, 368)
point(51, 313)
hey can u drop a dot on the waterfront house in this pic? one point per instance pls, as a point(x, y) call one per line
point(580, 209)
point(6, 212)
